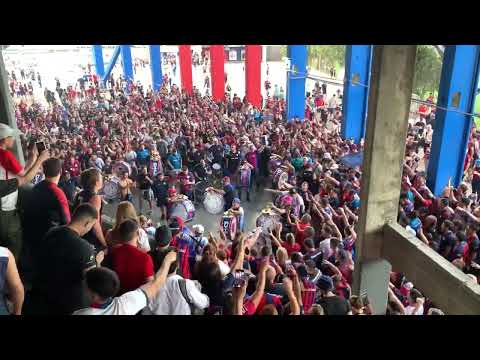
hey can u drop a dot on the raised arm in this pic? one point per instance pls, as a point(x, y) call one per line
point(292, 298)
point(151, 288)
point(16, 293)
point(260, 290)
point(238, 262)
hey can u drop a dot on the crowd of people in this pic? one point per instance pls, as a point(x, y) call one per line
point(53, 238)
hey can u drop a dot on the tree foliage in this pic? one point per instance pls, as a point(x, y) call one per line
point(428, 69)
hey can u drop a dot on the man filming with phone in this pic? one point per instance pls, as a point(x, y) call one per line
point(10, 225)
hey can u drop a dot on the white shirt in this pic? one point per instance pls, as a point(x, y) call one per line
point(332, 103)
point(224, 268)
point(129, 303)
point(324, 246)
point(409, 310)
point(143, 243)
point(170, 301)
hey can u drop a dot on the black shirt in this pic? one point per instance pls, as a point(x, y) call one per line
point(62, 262)
point(160, 189)
point(143, 183)
point(200, 171)
point(308, 177)
point(45, 208)
point(233, 162)
point(335, 305)
point(8, 186)
point(228, 196)
point(217, 153)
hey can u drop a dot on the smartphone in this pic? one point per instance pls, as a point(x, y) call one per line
point(40, 146)
point(239, 278)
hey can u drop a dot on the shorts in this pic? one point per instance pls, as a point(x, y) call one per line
point(128, 197)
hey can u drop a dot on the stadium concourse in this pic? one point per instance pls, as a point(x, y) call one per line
point(156, 198)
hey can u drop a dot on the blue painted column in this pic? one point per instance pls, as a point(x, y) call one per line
point(355, 91)
point(452, 128)
point(296, 81)
point(127, 63)
point(97, 52)
point(156, 67)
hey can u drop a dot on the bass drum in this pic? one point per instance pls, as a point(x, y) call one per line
point(199, 191)
point(111, 190)
point(213, 203)
point(229, 226)
point(185, 210)
point(120, 167)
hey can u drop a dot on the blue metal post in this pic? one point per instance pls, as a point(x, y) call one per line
point(452, 127)
point(98, 60)
point(127, 63)
point(156, 67)
point(296, 81)
point(355, 91)
point(111, 64)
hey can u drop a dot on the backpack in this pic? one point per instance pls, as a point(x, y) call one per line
point(182, 283)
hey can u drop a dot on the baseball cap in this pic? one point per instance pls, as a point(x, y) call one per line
point(163, 235)
point(236, 201)
point(172, 191)
point(7, 131)
point(325, 283)
point(198, 228)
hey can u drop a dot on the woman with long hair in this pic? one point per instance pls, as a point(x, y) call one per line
point(126, 211)
point(91, 181)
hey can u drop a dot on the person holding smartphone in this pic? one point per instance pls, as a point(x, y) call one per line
point(10, 222)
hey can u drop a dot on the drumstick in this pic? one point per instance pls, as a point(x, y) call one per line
point(276, 191)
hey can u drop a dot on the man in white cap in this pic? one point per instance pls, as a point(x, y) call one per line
point(199, 240)
point(10, 226)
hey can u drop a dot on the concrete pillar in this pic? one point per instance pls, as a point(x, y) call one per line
point(7, 112)
point(391, 85)
point(97, 52)
point(253, 74)
point(217, 71)
point(127, 63)
point(185, 60)
point(296, 78)
point(156, 67)
point(355, 91)
point(458, 85)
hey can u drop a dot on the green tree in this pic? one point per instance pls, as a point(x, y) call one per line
point(326, 56)
point(428, 69)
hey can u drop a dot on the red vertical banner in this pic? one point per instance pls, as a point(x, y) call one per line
point(253, 74)
point(185, 59)
point(217, 70)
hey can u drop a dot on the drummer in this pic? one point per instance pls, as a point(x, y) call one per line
point(239, 213)
point(228, 192)
point(160, 191)
point(201, 171)
point(126, 184)
point(187, 182)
